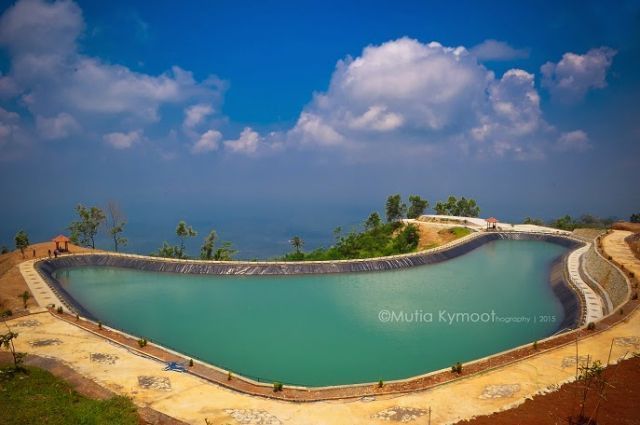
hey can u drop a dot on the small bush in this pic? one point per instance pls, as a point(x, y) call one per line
point(457, 368)
point(99, 325)
point(6, 313)
point(380, 384)
point(277, 386)
point(591, 326)
point(229, 376)
point(621, 311)
point(632, 275)
point(142, 342)
point(60, 310)
point(190, 362)
point(535, 345)
point(77, 318)
point(609, 257)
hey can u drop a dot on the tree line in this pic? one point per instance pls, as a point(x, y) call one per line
point(396, 209)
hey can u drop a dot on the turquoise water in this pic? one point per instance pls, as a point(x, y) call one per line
point(327, 329)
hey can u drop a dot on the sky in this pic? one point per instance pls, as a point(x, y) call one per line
point(265, 119)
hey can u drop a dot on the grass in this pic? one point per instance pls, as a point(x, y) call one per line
point(38, 397)
point(458, 232)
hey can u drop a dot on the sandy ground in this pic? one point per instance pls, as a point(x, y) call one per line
point(191, 399)
point(12, 285)
point(433, 234)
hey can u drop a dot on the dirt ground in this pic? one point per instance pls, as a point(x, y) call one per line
point(12, 285)
point(618, 407)
point(625, 225)
point(432, 235)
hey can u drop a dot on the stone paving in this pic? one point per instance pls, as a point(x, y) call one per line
point(193, 400)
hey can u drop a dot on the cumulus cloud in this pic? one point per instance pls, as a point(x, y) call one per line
point(494, 50)
point(58, 127)
point(404, 95)
point(209, 141)
point(576, 141)
point(123, 140)
point(570, 79)
point(247, 143)
point(195, 114)
point(48, 74)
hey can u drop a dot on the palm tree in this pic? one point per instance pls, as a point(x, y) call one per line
point(296, 243)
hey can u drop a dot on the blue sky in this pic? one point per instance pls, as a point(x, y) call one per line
point(294, 110)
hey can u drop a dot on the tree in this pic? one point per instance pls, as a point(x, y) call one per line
point(337, 233)
point(167, 251)
point(417, 207)
point(395, 209)
point(4, 250)
point(85, 230)
point(206, 251)
point(184, 231)
point(440, 208)
point(22, 241)
point(6, 341)
point(296, 243)
point(225, 252)
point(635, 218)
point(536, 221)
point(116, 222)
point(564, 223)
point(462, 207)
point(407, 240)
point(373, 222)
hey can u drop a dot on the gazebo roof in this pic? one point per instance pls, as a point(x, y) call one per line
point(61, 239)
point(492, 220)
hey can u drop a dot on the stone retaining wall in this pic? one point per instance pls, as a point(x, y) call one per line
point(607, 276)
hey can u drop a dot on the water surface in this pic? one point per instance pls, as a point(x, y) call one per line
point(327, 329)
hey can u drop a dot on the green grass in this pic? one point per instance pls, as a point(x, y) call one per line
point(459, 232)
point(38, 397)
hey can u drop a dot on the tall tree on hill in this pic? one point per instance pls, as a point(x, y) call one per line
point(395, 209)
point(373, 222)
point(84, 231)
point(206, 251)
point(115, 224)
point(296, 243)
point(417, 206)
point(184, 231)
point(22, 241)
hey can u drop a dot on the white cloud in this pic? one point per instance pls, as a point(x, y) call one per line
point(58, 127)
point(208, 142)
point(247, 143)
point(494, 50)
point(576, 141)
point(406, 96)
point(571, 78)
point(123, 140)
point(195, 114)
point(48, 74)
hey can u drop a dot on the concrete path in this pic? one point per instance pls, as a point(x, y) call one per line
point(190, 399)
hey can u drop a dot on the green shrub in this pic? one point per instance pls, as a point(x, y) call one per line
point(457, 368)
point(60, 310)
point(77, 317)
point(142, 342)
point(380, 384)
point(190, 362)
point(6, 313)
point(229, 376)
point(535, 345)
point(591, 326)
point(99, 325)
point(277, 386)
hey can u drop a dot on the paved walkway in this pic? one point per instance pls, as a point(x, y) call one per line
point(190, 399)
